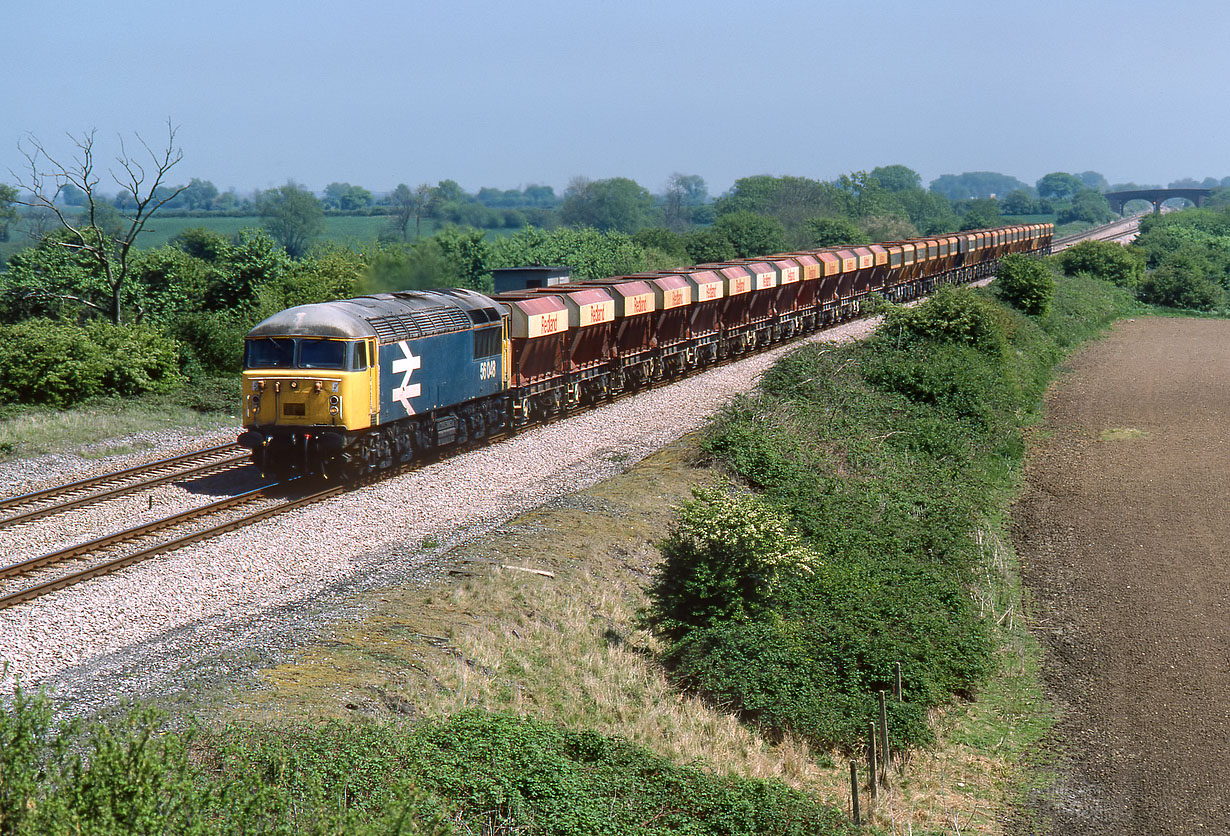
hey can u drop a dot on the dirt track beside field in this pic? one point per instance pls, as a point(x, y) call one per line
point(1123, 532)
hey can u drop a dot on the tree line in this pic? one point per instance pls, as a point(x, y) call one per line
point(194, 298)
point(891, 194)
point(1179, 260)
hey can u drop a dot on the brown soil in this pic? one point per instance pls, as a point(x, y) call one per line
point(1123, 534)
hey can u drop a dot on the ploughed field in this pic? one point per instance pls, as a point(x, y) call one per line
point(1124, 535)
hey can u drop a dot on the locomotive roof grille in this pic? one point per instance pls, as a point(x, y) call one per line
point(395, 328)
point(423, 322)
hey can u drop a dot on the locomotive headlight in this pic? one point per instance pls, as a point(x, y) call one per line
point(256, 403)
point(335, 404)
point(294, 384)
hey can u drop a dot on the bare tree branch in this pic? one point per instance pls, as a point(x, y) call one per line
point(48, 177)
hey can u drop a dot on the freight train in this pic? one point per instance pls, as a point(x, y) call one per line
point(348, 388)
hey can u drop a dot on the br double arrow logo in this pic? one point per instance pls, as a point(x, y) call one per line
point(405, 366)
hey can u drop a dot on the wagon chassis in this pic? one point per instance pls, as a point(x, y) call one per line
point(370, 451)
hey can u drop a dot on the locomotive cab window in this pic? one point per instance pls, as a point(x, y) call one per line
point(269, 354)
point(322, 354)
point(487, 343)
point(292, 353)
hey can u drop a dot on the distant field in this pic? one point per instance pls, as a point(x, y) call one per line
point(344, 229)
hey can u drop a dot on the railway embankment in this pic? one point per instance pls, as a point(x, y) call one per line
point(539, 694)
point(897, 461)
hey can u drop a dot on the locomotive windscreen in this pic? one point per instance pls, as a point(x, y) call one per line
point(322, 354)
point(269, 354)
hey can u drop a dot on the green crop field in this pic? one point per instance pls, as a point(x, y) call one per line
point(344, 229)
point(341, 228)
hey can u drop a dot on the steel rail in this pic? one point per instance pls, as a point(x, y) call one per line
point(127, 473)
point(1106, 232)
point(123, 490)
point(38, 590)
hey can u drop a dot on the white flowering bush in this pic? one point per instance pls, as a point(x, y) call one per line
point(727, 557)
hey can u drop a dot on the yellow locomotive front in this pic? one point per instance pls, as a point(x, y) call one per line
point(306, 382)
point(309, 385)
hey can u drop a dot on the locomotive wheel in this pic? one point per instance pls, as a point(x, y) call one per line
point(361, 460)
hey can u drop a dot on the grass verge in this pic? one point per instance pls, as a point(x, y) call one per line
point(104, 428)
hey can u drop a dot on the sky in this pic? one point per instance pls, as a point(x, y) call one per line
point(507, 94)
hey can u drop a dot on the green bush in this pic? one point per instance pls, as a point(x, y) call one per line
point(794, 676)
point(664, 240)
point(833, 232)
point(118, 778)
point(211, 341)
point(212, 395)
point(518, 775)
point(1181, 284)
point(954, 378)
point(886, 456)
point(471, 773)
point(59, 364)
point(1104, 260)
point(1083, 307)
point(1190, 254)
point(952, 315)
point(1025, 283)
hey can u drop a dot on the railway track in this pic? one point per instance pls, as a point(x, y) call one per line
point(99, 553)
point(35, 577)
point(1112, 231)
point(61, 498)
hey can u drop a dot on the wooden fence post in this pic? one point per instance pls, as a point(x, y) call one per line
point(871, 757)
point(854, 792)
point(885, 752)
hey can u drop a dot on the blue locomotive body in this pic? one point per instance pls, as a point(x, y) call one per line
point(420, 376)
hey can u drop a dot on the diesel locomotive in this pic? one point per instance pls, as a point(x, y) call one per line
point(347, 388)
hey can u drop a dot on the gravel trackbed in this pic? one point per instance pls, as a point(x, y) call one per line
point(1123, 531)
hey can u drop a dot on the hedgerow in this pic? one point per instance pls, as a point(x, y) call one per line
point(471, 773)
point(886, 457)
point(1025, 283)
point(1105, 260)
point(61, 364)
